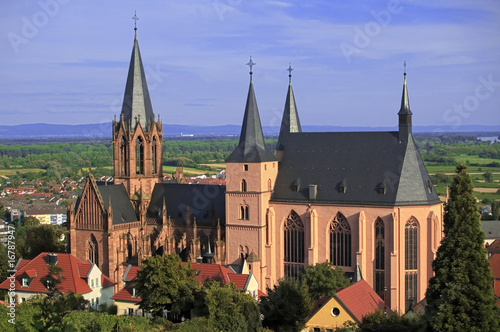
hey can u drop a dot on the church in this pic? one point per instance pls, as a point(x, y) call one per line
point(360, 200)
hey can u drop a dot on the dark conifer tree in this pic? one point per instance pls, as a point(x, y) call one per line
point(460, 295)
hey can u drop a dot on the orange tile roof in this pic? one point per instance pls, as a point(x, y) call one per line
point(206, 272)
point(71, 280)
point(239, 280)
point(106, 282)
point(131, 274)
point(495, 265)
point(30, 273)
point(360, 299)
point(125, 294)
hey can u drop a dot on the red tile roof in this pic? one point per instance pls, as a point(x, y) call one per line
point(106, 282)
point(125, 294)
point(360, 299)
point(71, 280)
point(31, 273)
point(131, 274)
point(206, 272)
point(239, 280)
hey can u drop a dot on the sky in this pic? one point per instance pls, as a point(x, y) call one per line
point(66, 61)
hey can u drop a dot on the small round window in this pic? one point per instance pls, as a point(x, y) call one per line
point(335, 312)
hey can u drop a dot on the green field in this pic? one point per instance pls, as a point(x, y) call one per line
point(13, 171)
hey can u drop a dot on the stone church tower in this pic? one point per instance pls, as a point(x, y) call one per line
point(137, 137)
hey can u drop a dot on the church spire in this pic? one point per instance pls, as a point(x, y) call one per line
point(405, 114)
point(137, 106)
point(251, 147)
point(290, 122)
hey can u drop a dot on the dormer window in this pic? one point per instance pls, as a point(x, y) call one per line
point(343, 186)
point(133, 292)
point(382, 187)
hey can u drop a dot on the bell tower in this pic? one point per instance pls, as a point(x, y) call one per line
point(137, 137)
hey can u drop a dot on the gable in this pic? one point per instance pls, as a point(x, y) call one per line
point(90, 211)
point(332, 314)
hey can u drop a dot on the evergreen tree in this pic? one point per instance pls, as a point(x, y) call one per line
point(460, 295)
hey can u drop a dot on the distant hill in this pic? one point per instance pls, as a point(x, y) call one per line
point(103, 130)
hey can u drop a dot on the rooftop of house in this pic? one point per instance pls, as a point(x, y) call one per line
point(73, 275)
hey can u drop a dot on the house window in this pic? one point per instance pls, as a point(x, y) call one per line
point(340, 241)
point(92, 283)
point(97, 282)
point(139, 155)
point(245, 168)
point(243, 185)
point(25, 282)
point(294, 245)
point(96, 301)
point(379, 257)
point(317, 329)
point(130, 311)
point(411, 263)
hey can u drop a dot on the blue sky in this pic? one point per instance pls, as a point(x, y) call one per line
point(66, 61)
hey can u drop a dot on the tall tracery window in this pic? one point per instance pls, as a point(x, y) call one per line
point(123, 157)
point(379, 257)
point(243, 185)
point(139, 155)
point(153, 156)
point(411, 263)
point(340, 241)
point(294, 245)
point(130, 246)
point(93, 250)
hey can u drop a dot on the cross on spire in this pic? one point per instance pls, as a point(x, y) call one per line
point(251, 64)
point(404, 65)
point(135, 18)
point(290, 72)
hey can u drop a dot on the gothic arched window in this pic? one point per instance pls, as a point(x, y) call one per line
point(379, 257)
point(340, 241)
point(293, 245)
point(243, 185)
point(93, 250)
point(139, 155)
point(244, 212)
point(411, 262)
point(130, 246)
point(269, 185)
point(123, 157)
point(153, 156)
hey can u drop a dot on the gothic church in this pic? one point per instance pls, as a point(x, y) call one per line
point(361, 200)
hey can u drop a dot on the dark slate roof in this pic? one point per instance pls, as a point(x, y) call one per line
point(136, 101)
point(251, 147)
point(290, 122)
point(123, 211)
point(365, 163)
point(200, 197)
point(405, 102)
point(491, 228)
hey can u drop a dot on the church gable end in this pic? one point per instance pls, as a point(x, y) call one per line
point(90, 211)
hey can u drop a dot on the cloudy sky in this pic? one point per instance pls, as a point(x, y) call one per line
point(66, 61)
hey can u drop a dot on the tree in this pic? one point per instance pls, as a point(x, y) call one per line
point(488, 177)
point(228, 309)
point(31, 221)
point(323, 280)
point(34, 239)
point(165, 283)
point(495, 209)
point(287, 306)
point(460, 295)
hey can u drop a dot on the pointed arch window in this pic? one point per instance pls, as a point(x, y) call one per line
point(139, 155)
point(154, 156)
point(379, 257)
point(123, 157)
point(93, 250)
point(340, 241)
point(243, 186)
point(269, 185)
point(411, 263)
point(294, 248)
point(130, 247)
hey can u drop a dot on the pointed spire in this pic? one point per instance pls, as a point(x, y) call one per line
point(357, 272)
point(135, 18)
point(290, 122)
point(251, 147)
point(405, 114)
point(137, 106)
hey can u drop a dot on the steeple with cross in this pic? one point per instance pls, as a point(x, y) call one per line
point(135, 18)
point(290, 73)
point(251, 64)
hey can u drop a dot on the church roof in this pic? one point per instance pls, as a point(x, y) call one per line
point(123, 211)
point(290, 122)
point(251, 147)
point(136, 102)
point(354, 168)
point(200, 198)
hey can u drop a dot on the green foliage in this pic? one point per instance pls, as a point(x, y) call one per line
point(31, 221)
point(323, 280)
point(164, 283)
point(488, 177)
point(287, 306)
point(228, 309)
point(460, 295)
point(199, 324)
point(379, 321)
point(83, 321)
point(32, 240)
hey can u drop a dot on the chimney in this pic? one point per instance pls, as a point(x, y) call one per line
point(313, 191)
point(52, 258)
